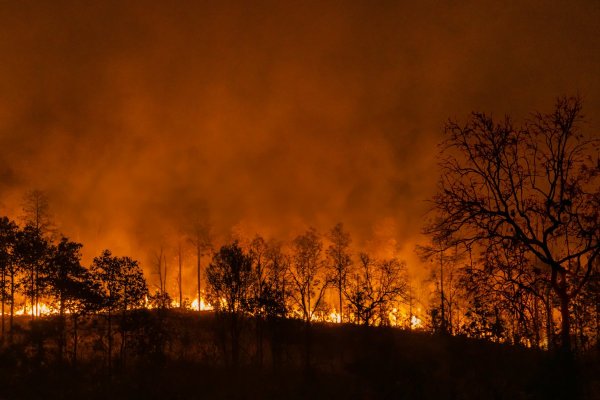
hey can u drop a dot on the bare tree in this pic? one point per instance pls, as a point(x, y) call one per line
point(536, 185)
point(37, 216)
point(374, 286)
point(306, 273)
point(340, 261)
point(258, 250)
point(8, 232)
point(36, 212)
point(200, 237)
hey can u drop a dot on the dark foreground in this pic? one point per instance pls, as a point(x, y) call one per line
point(187, 356)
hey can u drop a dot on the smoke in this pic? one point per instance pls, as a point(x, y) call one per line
point(137, 117)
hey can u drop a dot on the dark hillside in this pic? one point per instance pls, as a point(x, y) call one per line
point(182, 355)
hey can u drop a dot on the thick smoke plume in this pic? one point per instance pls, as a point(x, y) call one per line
point(265, 117)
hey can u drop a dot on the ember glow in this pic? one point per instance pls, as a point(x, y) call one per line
point(203, 306)
point(39, 310)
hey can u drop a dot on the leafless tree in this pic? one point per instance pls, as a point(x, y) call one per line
point(36, 212)
point(200, 237)
point(536, 185)
point(306, 273)
point(374, 287)
point(340, 261)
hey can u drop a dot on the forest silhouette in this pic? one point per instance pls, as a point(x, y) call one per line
point(514, 278)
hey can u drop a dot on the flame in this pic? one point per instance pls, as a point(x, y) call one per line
point(334, 317)
point(415, 322)
point(41, 309)
point(203, 305)
point(397, 317)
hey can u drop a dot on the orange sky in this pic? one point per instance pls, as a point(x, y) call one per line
point(273, 116)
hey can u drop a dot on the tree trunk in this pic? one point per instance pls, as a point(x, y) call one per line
point(109, 342)
point(199, 255)
point(235, 340)
point(75, 338)
point(62, 329)
point(12, 306)
point(2, 287)
point(180, 281)
point(37, 293)
point(341, 310)
point(307, 345)
point(32, 292)
point(549, 320)
point(442, 305)
point(565, 332)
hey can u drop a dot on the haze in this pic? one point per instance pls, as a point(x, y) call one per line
point(268, 117)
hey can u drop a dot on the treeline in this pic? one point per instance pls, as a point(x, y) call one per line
point(501, 294)
point(262, 281)
point(42, 272)
point(514, 258)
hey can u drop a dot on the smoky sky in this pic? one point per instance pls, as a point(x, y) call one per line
point(269, 117)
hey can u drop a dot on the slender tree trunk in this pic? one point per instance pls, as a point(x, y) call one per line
point(536, 324)
point(549, 318)
point(160, 276)
point(442, 305)
point(309, 305)
point(37, 291)
point(75, 338)
point(3, 294)
point(165, 279)
point(109, 341)
point(62, 330)
point(307, 345)
point(565, 333)
point(341, 310)
point(12, 306)
point(199, 256)
point(235, 340)
point(32, 292)
point(122, 352)
point(180, 280)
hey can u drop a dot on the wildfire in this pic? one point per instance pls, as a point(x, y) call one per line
point(396, 316)
point(41, 309)
point(415, 322)
point(203, 305)
point(334, 317)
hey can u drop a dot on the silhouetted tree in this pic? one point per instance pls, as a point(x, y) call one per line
point(258, 249)
point(230, 280)
point(122, 286)
point(340, 261)
point(161, 298)
point(8, 232)
point(68, 285)
point(31, 252)
point(36, 212)
point(180, 274)
point(273, 299)
point(277, 267)
point(536, 185)
point(374, 286)
point(306, 274)
point(200, 238)
point(444, 259)
point(308, 281)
